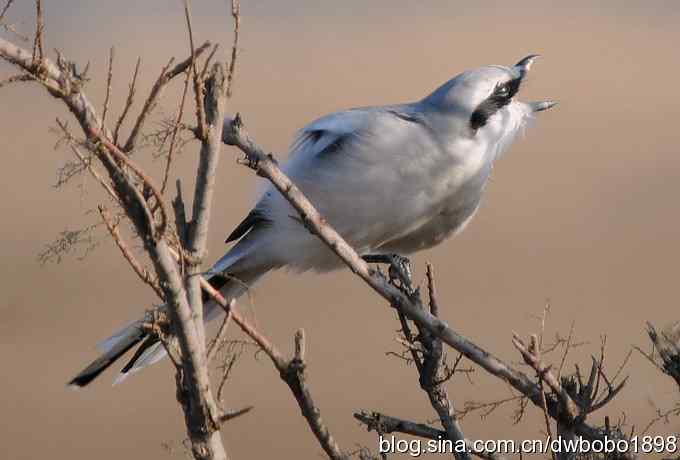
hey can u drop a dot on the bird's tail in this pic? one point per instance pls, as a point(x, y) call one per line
point(112, 348)
point(151, 350)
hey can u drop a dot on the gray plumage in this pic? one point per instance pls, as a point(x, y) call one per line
point(392, 179)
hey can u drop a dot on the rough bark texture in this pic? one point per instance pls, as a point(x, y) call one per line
point(411, 306)
point(63, 82)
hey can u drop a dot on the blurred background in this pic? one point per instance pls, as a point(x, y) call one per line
point(582, 213)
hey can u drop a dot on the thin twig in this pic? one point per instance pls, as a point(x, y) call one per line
point(385, 424)
point(208, 60)
point(148, 182)
point(87, 163)
point(231, 73)
point(264, 164)
point(675, 411)
point(141, 272)
point(486, 408)
point(221, 335)
point(5, 8)
point(128, 102)
point(156, 91)
point(194, 392)
point(39, 28)
point(236, 413)
point(530, 357)
point(566, 349)
point(17, 78)
point(430, 371)
point(198, 83)
point(292, 372)
point(108, 88)
point(175, 130)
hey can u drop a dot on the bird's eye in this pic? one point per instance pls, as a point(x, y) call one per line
point(502, 90)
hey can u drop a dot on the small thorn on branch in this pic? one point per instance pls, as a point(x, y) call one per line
point(225, 417)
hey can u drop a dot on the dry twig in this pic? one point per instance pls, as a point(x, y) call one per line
point(236, 14)
point(128, 102)
point(165, 77)
point(384, 424)
point(108, 88)
point(264, 164)
point(137, 267)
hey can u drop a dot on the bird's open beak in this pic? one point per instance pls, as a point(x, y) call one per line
point(523, 67)
point(542, 105)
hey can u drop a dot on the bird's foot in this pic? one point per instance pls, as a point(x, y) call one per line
point(399, 269)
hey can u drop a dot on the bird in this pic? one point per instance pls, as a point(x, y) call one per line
point(394, 179)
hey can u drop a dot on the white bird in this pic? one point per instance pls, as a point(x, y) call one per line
point(391, 180)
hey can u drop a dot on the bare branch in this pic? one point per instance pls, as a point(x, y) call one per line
point(662, 415)
point(5, 8)
point(265, 166)
point(209, 157)
point(39, 29)
point(67, 242)
point(86, 162)
point(291, 372)
point(294, 375)
point(234, 351)
point(667, 345)
point(236, 413)
point(236, 14)
point(128, 102)
point(532, 358)
point(198, 82)
point(148, 182)
point(385, 424)
point(431, 369)
point(221, 335)
point(180, 219)
point(213, 106)
point(566, 350)
point(108, 88)
point(175, 130)
point(199, 406)
point(16, 78)
point(165, 77)
point(141, 272)
point(90, 167)
point(489, 407)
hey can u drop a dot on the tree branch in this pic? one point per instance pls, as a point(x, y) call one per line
point(291, 372)
point(385, 424)
point(141, 272)
point(200, 409)
point(235, 134)
point(214, 103)
point(155, 94)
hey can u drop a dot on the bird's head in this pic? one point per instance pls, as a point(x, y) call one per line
point(480, 94)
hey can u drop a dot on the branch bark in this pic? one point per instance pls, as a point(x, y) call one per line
point(264, 164)
point(214, 103)
point(385, 424)
point(200, 410)
point(292, 372)
point(155, 94)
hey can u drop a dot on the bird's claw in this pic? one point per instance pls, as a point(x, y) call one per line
point(399, 269)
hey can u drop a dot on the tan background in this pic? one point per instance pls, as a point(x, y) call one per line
point(582, 212)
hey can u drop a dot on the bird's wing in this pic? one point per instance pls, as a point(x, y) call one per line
point(373, 173)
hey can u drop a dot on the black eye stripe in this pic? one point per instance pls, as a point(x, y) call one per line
point(508, 89)
point(500, 97)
